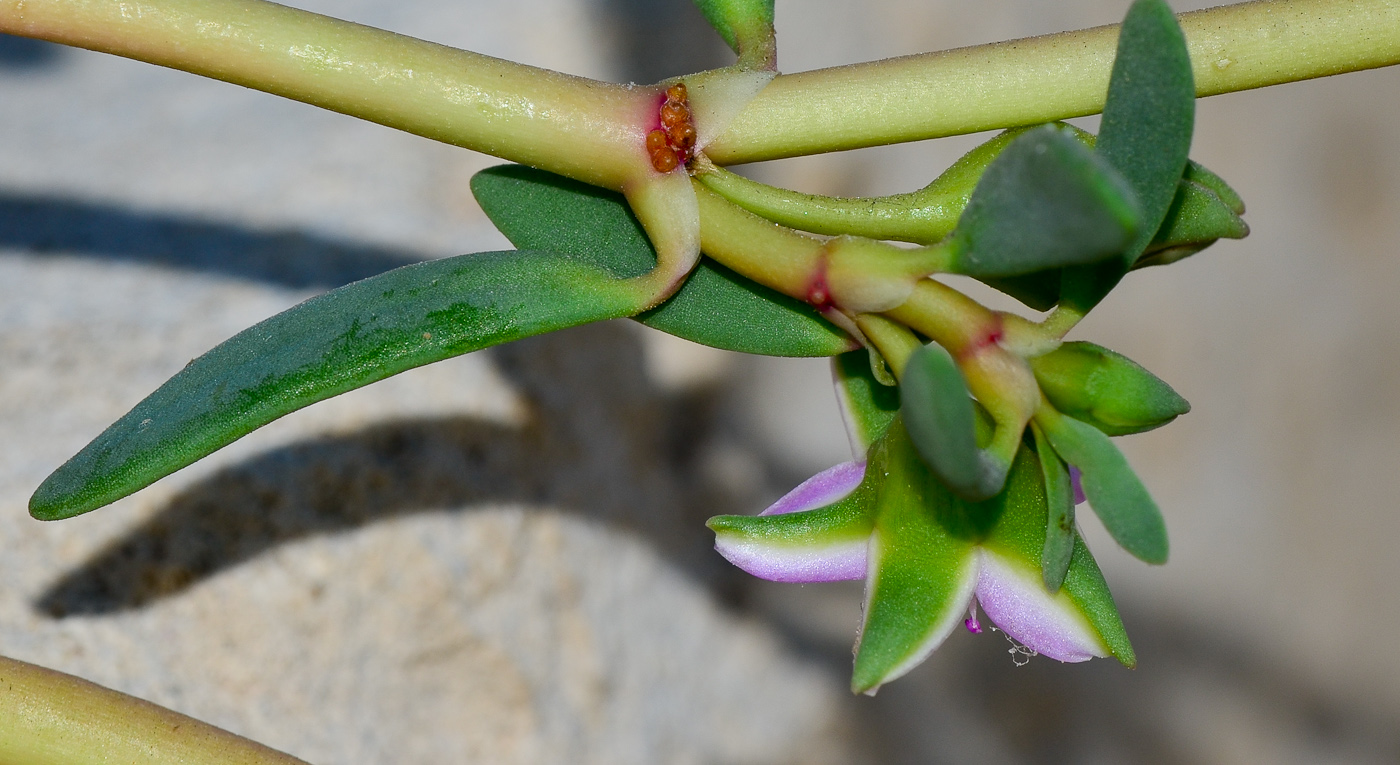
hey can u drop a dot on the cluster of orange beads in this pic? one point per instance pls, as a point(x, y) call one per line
point(673, 144)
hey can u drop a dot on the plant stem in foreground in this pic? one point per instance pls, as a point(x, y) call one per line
point(49, 718)
point(585, 129)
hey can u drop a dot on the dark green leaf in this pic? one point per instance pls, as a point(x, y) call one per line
point(1114, 491)
point(333, 343)
point(942, 423)
point(1106, 389)
point(1145, 134)
point(1059, 517)
point(1046, 201)
point(715, 307)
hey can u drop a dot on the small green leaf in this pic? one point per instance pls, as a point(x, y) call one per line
point(1145, 134)
point(1195, 220)
point(942, 423)
point(1059, 522)
point(745, 25)
point(1046, 201)
point(923, 574)
point(1196, 173)
point(715, 307)
point(1114, 491)
point(330, 344)
point(1106, 389)
point(867, 406)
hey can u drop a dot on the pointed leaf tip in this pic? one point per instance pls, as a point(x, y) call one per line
point(330, 344)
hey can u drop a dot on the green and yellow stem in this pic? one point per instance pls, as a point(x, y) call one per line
point(55, 719)
point(588, 130)
point(893, 340)
point(998, 378)
point(1054, 77)
point(851, 274)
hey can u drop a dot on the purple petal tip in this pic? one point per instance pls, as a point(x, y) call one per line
point(825, 487)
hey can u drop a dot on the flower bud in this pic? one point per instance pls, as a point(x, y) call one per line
point(1106, 389)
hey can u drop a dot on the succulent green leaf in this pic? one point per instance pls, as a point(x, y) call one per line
point(1145, 134)
point(1059, 521)
point(330, 344)
point(715, 307)
point(1019, 535)
point(922, 576)
point(1195, 220)
point(1106, 389)
point(867, 405)
point(1114, 491)
point(1046, 201)
point(1197, 173)
point(938, 412)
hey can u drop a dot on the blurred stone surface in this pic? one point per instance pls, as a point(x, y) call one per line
point(501, 558)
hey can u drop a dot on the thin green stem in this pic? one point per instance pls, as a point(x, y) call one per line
point(1041, 79)
point(55, 719)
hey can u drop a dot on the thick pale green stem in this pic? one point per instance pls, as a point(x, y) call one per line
point(49, 718)
point(581, 128)
point(1024, 82)
point(595, 132)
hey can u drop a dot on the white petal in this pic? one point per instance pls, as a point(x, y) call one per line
point(1014, 597)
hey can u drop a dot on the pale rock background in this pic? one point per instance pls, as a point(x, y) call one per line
point(501, 558)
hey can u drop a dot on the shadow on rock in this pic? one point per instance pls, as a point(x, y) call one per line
point(601, 441)
point(25, 53)
point(285, 257)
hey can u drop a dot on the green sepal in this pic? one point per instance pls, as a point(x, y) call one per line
point(1106, 389)
point(1196, 219)
point(1197, 173)
point(1058, 548)
point(715, 307)
point(333, 343)
point(867, 405)
point(1113, 490)
point(1145, 134)
point(942, 422)
point(1019, 535)
point(1046, 201)
point(922, 575)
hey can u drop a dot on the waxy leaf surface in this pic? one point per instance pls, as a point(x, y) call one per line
point(1114, 491)
point(1145, 133)
point(336, 342)
point(715, 306)
point(1046, 201)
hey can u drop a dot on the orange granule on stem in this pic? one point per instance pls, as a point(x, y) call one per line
point(672, 144)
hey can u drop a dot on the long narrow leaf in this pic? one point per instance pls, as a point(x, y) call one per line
point(330, 344)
